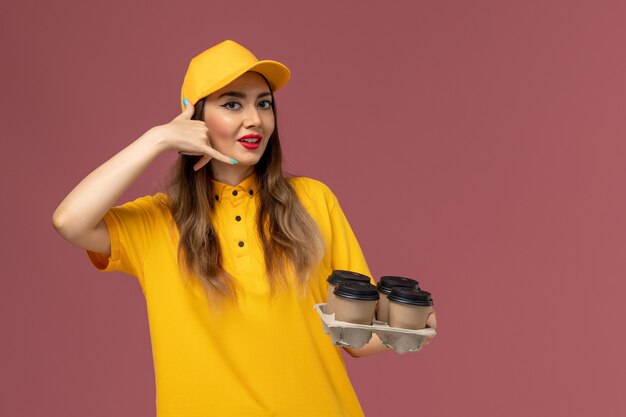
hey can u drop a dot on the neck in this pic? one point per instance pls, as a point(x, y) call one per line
point(230, 174)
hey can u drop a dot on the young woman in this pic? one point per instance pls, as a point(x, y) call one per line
point(232, 257)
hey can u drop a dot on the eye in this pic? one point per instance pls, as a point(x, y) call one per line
point(231, 105)
point(265, 104)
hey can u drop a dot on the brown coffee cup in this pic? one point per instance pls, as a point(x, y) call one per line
point(385, 285)
point(409, 308)
point(355, 302)
point(337, 276)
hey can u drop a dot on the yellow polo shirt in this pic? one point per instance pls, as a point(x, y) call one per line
point(264, 357)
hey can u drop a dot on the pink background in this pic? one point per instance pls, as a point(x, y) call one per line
point(477, 146)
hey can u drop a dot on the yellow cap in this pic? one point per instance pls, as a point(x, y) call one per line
point(222, 64)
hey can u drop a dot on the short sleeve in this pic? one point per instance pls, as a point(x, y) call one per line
point(131, 229)
point(346, 252)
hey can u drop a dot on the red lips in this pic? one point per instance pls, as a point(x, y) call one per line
point(254, 141)
point(251, 136)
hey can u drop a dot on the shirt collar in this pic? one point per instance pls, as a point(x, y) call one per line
point(249, 187)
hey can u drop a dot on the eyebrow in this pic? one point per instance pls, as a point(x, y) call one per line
point(241, 95)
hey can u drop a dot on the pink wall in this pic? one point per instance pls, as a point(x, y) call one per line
point(477, 146)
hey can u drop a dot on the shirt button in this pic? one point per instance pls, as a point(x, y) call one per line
point(235, 192)
point(238, 218)
point(217, 198)
point(241, 244)
point(251, 192)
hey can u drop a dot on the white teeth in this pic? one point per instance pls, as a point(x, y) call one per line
point(250, 140)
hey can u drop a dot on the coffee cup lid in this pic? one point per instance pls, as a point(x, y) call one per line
point(387, 282)
point(339, 275)
point(356, 290)
point(410, 296)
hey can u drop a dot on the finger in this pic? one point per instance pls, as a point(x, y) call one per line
point(187, 114)
point(212, 153)
point(201, 162)
point(432, 320)
point(426, 341)
point(190, 153)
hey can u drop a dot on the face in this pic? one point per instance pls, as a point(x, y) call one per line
point(240, 119)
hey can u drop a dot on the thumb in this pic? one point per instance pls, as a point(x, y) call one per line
point(187, 114)
point(431, 320)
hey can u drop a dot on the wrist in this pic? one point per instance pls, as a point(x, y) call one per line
point(156, 140)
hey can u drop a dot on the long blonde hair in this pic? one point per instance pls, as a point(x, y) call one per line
point(290, 238)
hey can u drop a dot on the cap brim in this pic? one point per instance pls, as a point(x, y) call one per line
point(276, 73)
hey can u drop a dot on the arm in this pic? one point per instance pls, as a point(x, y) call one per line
point(79, 216)
point(347, 254)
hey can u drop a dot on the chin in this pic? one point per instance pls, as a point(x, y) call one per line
point(248, 158)
point(247, 161)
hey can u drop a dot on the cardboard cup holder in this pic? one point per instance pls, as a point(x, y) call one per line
point(357, 335)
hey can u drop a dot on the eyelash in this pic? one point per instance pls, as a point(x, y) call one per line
point(229, 107)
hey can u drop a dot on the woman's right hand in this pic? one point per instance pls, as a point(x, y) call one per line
point(79, 217)
point(189, 137)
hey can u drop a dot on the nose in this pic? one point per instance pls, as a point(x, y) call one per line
point(251, 117)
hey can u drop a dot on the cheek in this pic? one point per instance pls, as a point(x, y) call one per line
point(221, 128)
point(269, 125)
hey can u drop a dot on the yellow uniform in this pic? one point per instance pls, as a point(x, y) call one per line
point(264, 357)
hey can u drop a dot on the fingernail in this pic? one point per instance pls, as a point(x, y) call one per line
point(233, 161)
point(185, 102)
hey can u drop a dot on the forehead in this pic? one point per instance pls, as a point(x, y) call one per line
point(250, 83)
